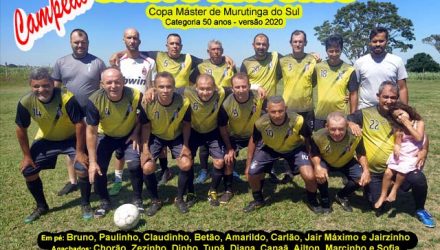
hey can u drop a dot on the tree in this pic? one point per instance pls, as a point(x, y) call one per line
point(422, 62)
point(433, 40)
point(355, 21)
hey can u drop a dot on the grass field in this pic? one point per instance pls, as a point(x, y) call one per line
point(285, 212)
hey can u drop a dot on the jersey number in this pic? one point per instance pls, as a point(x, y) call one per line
point(374, 124)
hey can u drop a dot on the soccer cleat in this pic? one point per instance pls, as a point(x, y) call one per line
point(38, 211)
point(344, 203)
point(87, 212)
point(314, 206)
point(213, 198)
point(202, 177)
point(191, 199)
point(326, 206)
point(156, 205)
point(253, 205)
point(103, 209)
point(181, 205)
point(115, 189)
point(68, 188)
point(139, 204)
point(425, 218)
point(166, 176)
point(226, 197)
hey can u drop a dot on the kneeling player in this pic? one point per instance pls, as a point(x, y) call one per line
point(60, 119)
point(333, 148)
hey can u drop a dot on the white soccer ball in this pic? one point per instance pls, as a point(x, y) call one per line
point(126, 216)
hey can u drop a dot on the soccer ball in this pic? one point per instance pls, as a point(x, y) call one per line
point(126, 216)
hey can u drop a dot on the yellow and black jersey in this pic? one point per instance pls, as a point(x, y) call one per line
point(204, 115)
point(115, 119)
point(222, 73)
point(378, 137)
point(166, 121)
point(333, 84)
point(56, 119)
point(241, 117)
point(281, 138)
point(265, 73)
point(297, 78)
point(337, 154)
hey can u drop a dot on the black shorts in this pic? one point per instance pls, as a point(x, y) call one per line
point(211, 140)
point(157, 144)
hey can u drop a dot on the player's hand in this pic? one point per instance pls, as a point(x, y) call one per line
point(134, 140)
point(82, 159)
point(145, 157)
point(262, 93)
point(421, 158)
point(316, 56)
point(185, 152)
point(229, 157)
point(114, 60)
point(93, 170)
point(26, 162)
point(229, 62)
point(355, 129)
point(396, 152)
point(365, 178)
point(321, 174)
point(149, 95)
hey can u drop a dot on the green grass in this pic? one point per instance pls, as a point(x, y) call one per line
point(285, 212)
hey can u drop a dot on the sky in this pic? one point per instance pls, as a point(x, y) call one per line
point(105, 24)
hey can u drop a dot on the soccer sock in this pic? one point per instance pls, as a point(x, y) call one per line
point(118, 175)
point(136, 182)
point(85, 188)
point(227, 179)
point(349, 188)
point(190, 183)
point(151, 183)
point(163, 164)
point(258, 196)
point(101, 186)
point(203, 156)
point(36, 189)
point(216, 178)
point(182, 183)
point(323, 190)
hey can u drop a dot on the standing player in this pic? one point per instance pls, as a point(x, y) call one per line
point(333, 79)
point(379, 66)
point(279, 134)
point(169, 126)
point(61, 131)
point(80, 73)
point(138, 71)
point(333, 149)
point(114, 108)
point(241, 110)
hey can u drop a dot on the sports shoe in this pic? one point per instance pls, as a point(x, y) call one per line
point(181, 205)
point(87, 212)
point(213, 199)
point(139, 204)
point(115, 189)
point(326, 206)
point(253, 205)
point(166, 176)
point(156, 205)
point(314, 206)
point(202, 177)
point(103, 209)
point(226, 197)
point(236, 176)
point(344, 203)
point(191, 199)
point(68, 188)
point(38, 211)
point(425, 218)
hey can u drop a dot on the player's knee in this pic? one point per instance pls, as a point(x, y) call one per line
point(31, 177)
point(218, 163)
point(81, 173)
point(148, 168)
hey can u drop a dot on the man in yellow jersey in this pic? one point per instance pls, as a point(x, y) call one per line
point(61, 131)
point(378, 139)
point(169, 126)
point(113, 113)
point(279, 134)
point(333, 148)
point(241, 110)
point(333, 79)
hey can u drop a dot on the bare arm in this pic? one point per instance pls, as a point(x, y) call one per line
point(229, 156)
point(403, 91)
point(145, 138)
point(321, 173)
point(23, 140)
point(80, 132)
point(250, 155)
point(91, 139)
point(353, 101)
point(365, 177)
point(186, 134)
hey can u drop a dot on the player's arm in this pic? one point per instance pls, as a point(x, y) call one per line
point(321, 174)
point(145, 138)
point(92, 118)
point(23, 121)
point(222, 123)
point(362, 159)
point(354, 121)
point(422, 154)
point(115, 57)
point(186, 131)
point(76, 116)
point(403, 91)
point(256, 136)
point(353, 88)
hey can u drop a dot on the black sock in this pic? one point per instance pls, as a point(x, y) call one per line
point(101, 186)
point(323, 190)
point(216, 178)
point(190, 183)
point(182, 183)
point(85, 188)
point(36, 189)
point(349, 188)
point(203, 156)
point(311, 197)
point(227, 179)
point(163, 164)
point(136, 177)
point(258, 196)
point(151, 183)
